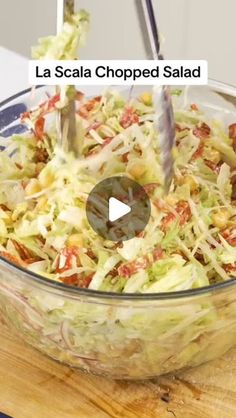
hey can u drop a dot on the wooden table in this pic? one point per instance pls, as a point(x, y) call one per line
point(33, 386)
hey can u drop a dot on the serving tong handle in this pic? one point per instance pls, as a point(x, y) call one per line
point(164, 120)
point(66, 118)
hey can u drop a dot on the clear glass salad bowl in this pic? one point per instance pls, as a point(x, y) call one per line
point(122, 336)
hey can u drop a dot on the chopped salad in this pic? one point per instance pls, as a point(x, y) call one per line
point(190, 240)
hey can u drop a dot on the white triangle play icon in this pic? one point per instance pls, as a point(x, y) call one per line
point(117, 209)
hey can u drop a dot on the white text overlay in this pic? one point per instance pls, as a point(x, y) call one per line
point(105, 73)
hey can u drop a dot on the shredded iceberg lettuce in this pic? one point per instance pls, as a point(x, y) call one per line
point(65, 45)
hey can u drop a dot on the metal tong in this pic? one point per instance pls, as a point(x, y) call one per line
point(164, 121)
point(67, 116)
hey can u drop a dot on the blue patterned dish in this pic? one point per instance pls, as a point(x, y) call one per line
point(12, 109)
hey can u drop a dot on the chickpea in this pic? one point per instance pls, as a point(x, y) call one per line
point(136, 170)
point(32, 187)
point(220, 218)
point(8, 220)
point(75, 240)
point(213, 155)
point(42, 202)
point(46, 178)
point(20, 209)
point(146, 98)
point(190, 181)
point(171, 200)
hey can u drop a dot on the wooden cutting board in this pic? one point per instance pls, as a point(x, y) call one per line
point(33, 386)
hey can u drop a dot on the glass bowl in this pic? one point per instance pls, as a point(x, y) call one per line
point(122, 336)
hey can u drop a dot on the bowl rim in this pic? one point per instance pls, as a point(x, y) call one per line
point(90, 293)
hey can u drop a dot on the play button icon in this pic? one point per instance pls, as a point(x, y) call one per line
point(118, 209)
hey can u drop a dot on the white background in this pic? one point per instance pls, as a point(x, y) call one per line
point(12, 64)
point(193, 29)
